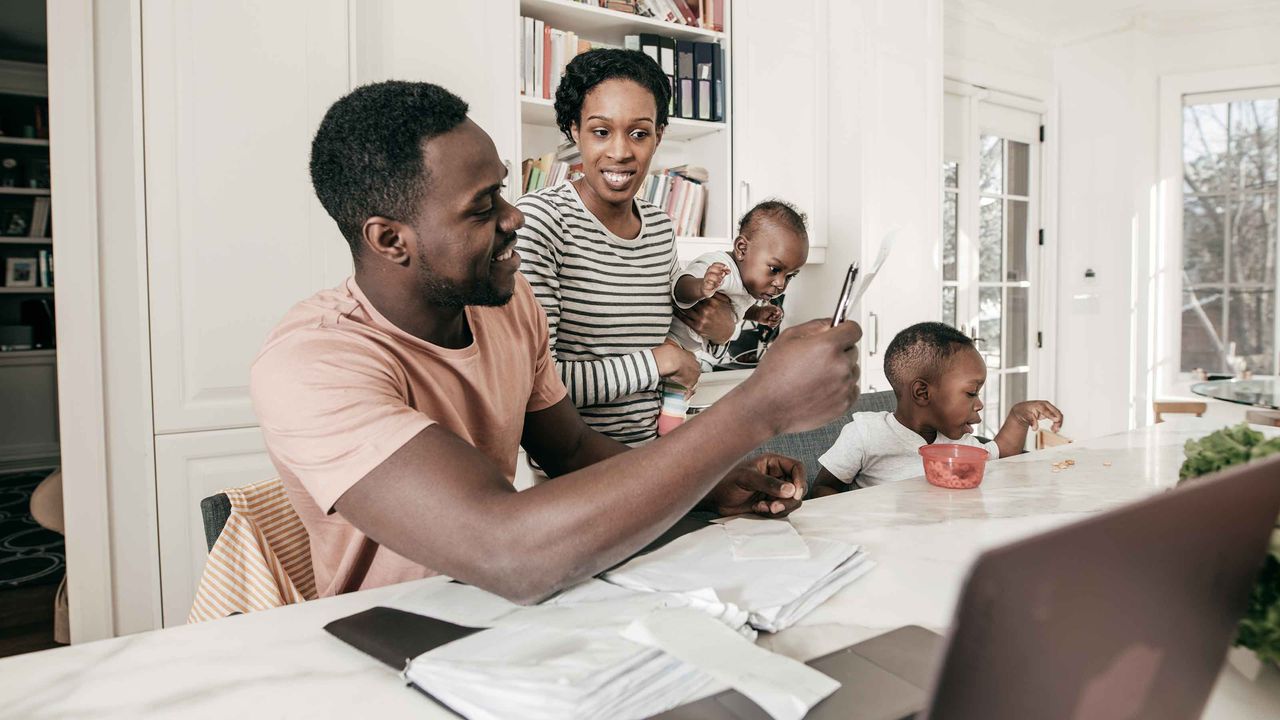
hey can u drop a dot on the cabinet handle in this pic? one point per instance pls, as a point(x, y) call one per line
point(874, 321)
point(511, 183)
point(746, 196)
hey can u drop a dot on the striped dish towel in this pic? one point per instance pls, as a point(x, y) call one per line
point(261, 560)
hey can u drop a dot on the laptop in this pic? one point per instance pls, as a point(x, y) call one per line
point(1127, 614)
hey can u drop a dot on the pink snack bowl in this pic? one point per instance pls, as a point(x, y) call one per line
point(958, 467)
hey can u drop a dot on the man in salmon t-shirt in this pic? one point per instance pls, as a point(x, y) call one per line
point(394, 405)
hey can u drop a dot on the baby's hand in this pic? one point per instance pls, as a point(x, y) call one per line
point(714, 278)
point(770, 315)
point(1031, 412)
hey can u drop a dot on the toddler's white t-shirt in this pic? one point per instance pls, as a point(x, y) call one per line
point(875, 448)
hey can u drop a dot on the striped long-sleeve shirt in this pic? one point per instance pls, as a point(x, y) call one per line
point(608, 303)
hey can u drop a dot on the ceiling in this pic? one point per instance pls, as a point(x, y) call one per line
point(22, 30)
point(1064, 20)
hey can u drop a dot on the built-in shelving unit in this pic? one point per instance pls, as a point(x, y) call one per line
point(685, 141)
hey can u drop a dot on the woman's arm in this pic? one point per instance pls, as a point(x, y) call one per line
point(590, 382)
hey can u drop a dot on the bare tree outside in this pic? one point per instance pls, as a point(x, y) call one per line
point(1230, 155)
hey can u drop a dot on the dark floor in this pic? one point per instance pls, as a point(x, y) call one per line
point(26, 619)
point(32, 562)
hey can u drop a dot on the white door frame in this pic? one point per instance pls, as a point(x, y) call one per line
point(95, 66)
point(81, 401)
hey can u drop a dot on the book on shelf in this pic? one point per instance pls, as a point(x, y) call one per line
point(44, 268)
point(558, 166)
point(682, 194)
point(40, 218)
point(544, 53)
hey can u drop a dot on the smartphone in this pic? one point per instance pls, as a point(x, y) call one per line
point(842, 305)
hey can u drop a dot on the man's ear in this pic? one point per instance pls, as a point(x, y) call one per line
point(920, 392)
point(385, 238)
point(740, 247)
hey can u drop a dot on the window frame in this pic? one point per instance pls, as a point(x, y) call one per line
point(1160, 287)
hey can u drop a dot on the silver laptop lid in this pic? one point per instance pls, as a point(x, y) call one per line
point(1128, 614)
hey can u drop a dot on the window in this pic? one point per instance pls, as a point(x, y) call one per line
point(1230, 152)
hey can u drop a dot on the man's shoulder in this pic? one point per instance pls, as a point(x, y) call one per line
point(320, 330)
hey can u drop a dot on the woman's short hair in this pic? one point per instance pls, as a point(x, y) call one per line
point(593, 67)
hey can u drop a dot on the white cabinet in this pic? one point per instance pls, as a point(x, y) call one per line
point(193, 466)
point(233, 93)
point(468, 48)
point(779, 108)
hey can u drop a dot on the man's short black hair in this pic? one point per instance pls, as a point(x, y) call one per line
point(593, 67)
point(777, 211)
point(921, 350)
point(366, 158)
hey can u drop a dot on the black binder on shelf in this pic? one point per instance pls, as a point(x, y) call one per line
point(704, 80)
point(686, 81)
point(717, 83)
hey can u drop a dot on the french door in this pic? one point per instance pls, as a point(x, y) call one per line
point(990, 244)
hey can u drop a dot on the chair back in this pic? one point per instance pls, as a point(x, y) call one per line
point(808, 446)
point(214, 511)
point(259, 556)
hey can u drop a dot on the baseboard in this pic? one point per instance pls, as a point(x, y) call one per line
point(30, 457)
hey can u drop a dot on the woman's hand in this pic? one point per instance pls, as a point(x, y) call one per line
point(677, 364)
point(712, 318)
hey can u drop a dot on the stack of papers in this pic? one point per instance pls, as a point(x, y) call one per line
point(533, 671)
point(775, 585)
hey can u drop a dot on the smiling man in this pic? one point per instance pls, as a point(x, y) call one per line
point(393, 406)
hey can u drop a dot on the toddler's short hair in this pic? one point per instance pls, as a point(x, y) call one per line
point(778, 211)
point(921, 350)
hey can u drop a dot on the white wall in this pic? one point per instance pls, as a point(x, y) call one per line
point(1106, 101)
point(884, 150)
point(1108, 122)
point(996, 52)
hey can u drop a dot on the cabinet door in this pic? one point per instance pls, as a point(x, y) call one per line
point(468, 48)
point(233, 93)
point(193, 466)
point(779, 107)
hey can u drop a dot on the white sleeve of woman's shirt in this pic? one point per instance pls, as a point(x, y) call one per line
point(845, 458)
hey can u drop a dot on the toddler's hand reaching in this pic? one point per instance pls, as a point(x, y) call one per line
point(770, 315)
point(1031, 412)
point(714, 278)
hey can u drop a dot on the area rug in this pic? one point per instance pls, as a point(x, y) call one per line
point(29, 554)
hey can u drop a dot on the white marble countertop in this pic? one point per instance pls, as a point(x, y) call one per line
point(281, 663)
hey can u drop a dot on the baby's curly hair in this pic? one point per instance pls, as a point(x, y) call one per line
point(366, 158)
point(593, 67)
point(921, 350)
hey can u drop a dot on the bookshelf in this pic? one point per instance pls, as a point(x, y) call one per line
point(685, 142)
point(25, 231)
point(589, 21)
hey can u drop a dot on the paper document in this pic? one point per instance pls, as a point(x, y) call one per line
point(864, 279)
point(756, 538)
point(782, 687)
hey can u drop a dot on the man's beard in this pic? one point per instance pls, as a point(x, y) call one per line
point(439, 291)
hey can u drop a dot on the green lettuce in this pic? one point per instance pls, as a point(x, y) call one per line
point(1259, 630)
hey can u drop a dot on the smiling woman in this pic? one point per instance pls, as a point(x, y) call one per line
point(601, 261)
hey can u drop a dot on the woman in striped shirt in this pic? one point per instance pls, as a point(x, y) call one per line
point(601, 261)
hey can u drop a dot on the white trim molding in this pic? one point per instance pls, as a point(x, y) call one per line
point(73, 125)
point(1165, 267)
